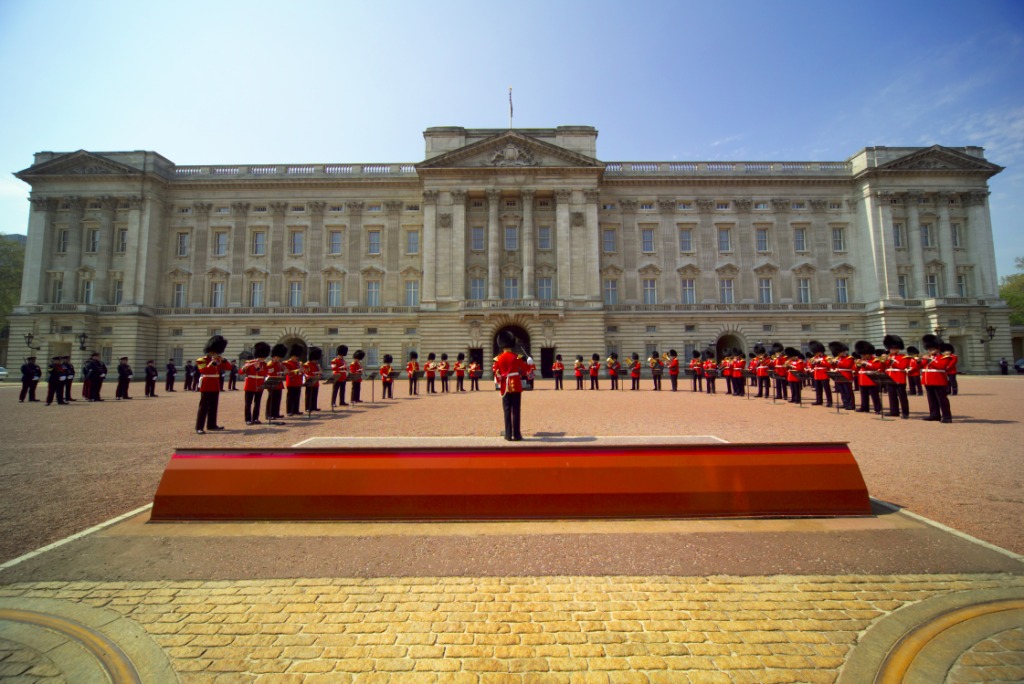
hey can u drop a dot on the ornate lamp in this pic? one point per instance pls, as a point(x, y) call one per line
point(82, 339)
point(991, 332)
point(28, 342)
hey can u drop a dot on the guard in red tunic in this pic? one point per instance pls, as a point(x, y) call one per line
point(355, 372)
point(710, 367)
point(210, 367)
point(594, 368)
point(896, 366)
point(779, 368)
point(254, 371)
point(952, 371)
point(739, 364)
point(795, 368)
point(725, 369)
point(430, 370)
point(460, 372)
point(934, 370)
point(846, 366)
point(509, 370)
point(275, 370)
point(697, 372)
point(339, 368)
point(762, 371)
point(865, 366)
point(819, 373)
point(613, 366)
point(558, 371)
point(577, 369)
point(386, 381)
point(412, 369)
point(673, 369)
point(311, 374)
point(914, 372)
point(293, 381)
point(443, 369)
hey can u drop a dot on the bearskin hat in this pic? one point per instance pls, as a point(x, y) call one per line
point(341, 350)
point(816, 347)
point(863, 347)
point(315, 353)
point(791, 351)
point(892, 342)
point(388, 358)
point(359, 355)
point(296, 350)
point(736, 351)
point(837, 348)
point(595, 357)
point(615, 356)
point(413, 355)
point(579, 357)
point(708, 354)
point(673, 353)
point(696, 354)
point(759, 349)
point(260, 350)
point(913, 350)
point(930, 341)
point(216, 345)
point(279, 350)
point(444, 357)
point(777, 348)
point(430, 357)
point(945, 347)
point(506, 340)
point(636, 357)
point(460, 357)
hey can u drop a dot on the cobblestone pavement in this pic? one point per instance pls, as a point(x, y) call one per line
point(527, 629)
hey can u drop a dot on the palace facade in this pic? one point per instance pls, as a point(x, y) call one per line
point(132, 255)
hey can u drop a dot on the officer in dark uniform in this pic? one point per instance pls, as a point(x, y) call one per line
point(55, 381)
point(124, 378)
point(69, 377)
point(30, 374)
point(172, 370)
point(151, 375)
point(95, 372)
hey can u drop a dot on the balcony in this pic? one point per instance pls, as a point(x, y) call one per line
point(294, 171)
point(781, 169)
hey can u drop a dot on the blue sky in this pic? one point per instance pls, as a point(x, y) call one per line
point(274, 82)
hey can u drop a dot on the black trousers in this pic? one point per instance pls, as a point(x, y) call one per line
point(28, 388)
point(898, 403)
point(794, 390)
point(95, 385)
point(252, 405)
point(67, 390)
point(579, 382)
point(739, 386)
point(870, 391)
point(938, 402)
point(444, 383)
point(53, 389)
point(414, 386)
point(389, 389)
point(207, 413)
point(357, 387)
point(558, 380)
point(781, 387)
point(615, 381)
point(764, 386)
point(122, 388)
point(312, 398)
point(150, 390)
point(634, 383)
point(710, 386)
point(915, 385)
point(822, 387)
point(273, 404)
point(291, 402)
point(511, 405)
point(674, 379)
point(169, 383)
point(954, 388)
point(338, 391)
point(459, 383)
point(657, 382)
point(697, 383)
point(593, 382)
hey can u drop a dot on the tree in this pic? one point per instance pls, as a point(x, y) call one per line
point(12, 263)
point(1011, 291)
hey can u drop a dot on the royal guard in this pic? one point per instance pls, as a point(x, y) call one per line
point(697, 372)
point(209, 368)
point(633, 363)
point(475, 371)
point(725, 370)
point(509, 369)
point(124, 378)
point(845, 365)
point(779, 369)
point(578, 367)
point(952, 371)
point(293, 381)
point(657, 366)
point(613, 366)
point(311, 371)
point(558, 371)
point(443, 369)
point(761, 371)
point(914, 372)
point(739, 364)
point(896, 365)
point(412, 369)
point(387, 383)
point(819, 373)
point(710, 367)
point(275, 371)
point(795, 367)
point(459, 368)
point(430, 372)
point(339, 369)
point(866, 365)
point(254, 371)
point(151, 376)
point(30, 374)
point(934, 376)
point(594, 369)
point(69, 377)
point(355, 372)
point(673, 369)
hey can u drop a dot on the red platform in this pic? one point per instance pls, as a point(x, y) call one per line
point(530, 482)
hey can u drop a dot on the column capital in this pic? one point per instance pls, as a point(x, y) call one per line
point(703, 205)
point(42, 203)
point(279, 209)
point(493, 195)
point(317, 208)
point(592, 194)
point(240, 208)
point(743, 205)
point(393, 206)
point(430, 196)
point(563, 195)
point(74, 203)
point(528, 194)
point(974, 197)
point(458, 196)
point(781, 204)
point(818, 205)
point(134, 202)
point(354, 207)
point(107, 203)
point(203, 208)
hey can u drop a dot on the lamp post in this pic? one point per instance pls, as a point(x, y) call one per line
point(28, 342)
point(991, 332)
point(82, 339)
point(939, 330)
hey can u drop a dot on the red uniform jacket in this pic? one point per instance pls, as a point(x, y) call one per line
point(355, 369)
point(339, 367)
point(253, 370)
point(412, 367)
point(311, 370)
point(869, 365)
point(595, 366)
point(934, 371)
point(897, 368)
point(385, 374)
point(673, 365)
point(293, 373)
point(209, 373)
point(793, 367)
point(510, 369)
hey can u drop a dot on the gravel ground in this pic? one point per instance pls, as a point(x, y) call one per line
point(64, 469)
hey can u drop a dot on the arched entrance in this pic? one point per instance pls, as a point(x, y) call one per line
point(522, 337)
point(289, 341)
point(726, 343)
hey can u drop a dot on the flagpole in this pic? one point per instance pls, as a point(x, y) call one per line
point(510, 108)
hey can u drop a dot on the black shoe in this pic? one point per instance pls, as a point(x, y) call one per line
point(35, 400)
point(931, 418)
point(200, 432)
point(947, 420)
point(217, 427)
point(257, 422)
point(905, 416)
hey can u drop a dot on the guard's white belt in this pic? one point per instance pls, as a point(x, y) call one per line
point(933, 370)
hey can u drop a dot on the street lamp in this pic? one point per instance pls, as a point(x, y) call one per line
point(28, 342)
point(82, 338)
point(991, 332)
point(939, 330)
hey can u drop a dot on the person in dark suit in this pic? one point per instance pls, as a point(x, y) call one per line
point(55, 382)
point(95, 372)
point(124, 378)
point(172, 371)
point(30, 374)
point(151, 375)
point(69, 377)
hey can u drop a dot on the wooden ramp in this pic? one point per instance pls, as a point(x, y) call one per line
point(500, 483)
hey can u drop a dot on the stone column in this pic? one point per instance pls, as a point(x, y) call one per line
point(429, 247)
point(591, 196)
point(630, 247)
point(563, 242)
point(946, 254)
point(104, 252)
point(744, 243)
point(784, 239)
point(668, 288)
point(135, 257)
point(73, 255)
point(200, 254)
point(980, 248)
point(529, 286)
point(917, 290)
point(879, 209)
point(458, 244)
point(393, 249)
point(493, 245)
point(707, 251)
point(236, 296)
point(353, 296)
point(38, 251)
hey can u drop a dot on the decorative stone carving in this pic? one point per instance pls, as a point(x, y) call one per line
point(851, 204)
point(202, 208)
point(819, 205)
point(578, 219)
point(563, 196)
point(135, 202)
point(474, 333)
point(975, 197)
point(742, 205)
point(512, 155)
point(41, 203)
point(458, 196)
point(355, 207)
point(107, 203)
point(444, 220)
point(667, 206)
point(393, 206)
point(705, 204)
point(591, 194)
point(528, 194)
point(317, 208)
point(493, 195)
point(628, 204)
point(781, 204)
point(240, 208)
point(74, 203)
point(279, 209)
point(430, 196)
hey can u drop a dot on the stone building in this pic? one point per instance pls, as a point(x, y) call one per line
point(131, 254)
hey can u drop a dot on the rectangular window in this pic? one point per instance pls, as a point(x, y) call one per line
point(412, 242)
point(220, 243)
point(725, 290)
point(181, 244)
point(897, 236)
point(798, 206)
point(57, 291)
point(926, 235)
point(803, 290)
point(724, 240)
point(611, 291)
point(762, 239)
point(216, 294)
point(334, 242)
point(412, 293)
point(178, 301)
point(646, 206)
point(87, 288)
point(122, 240)
point(119, 291)
point(903, 286)
point(373, 245)
point(761, 206)
point(799, 239)
point(372, 357)
point(372, 293)
point(958, 237)
point(647, 240)
point(838, 240)
point(842, 291)
point(544, 238)
point(764, 290)
point(685, 239)
point(295, 293)
point(688, 291)
point(476, 289)
point(650, 291)
point(961, 286)
point(477, 239)
point(511, 290)
point(334, 293)
point(93, 244)
point(295, 240)
point(609, 241)
point(259, 243)
point(722, 206)
point(256, 293)
point(544, 288)
point(931, 285)
point(511, 238)
point(62, 241)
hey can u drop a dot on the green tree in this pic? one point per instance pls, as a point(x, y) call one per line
point(12, 263)
point(1011, 291)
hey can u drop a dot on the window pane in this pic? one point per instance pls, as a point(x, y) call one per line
point(609, 241)
point(724, 240)
point(477, 239)
point(412, 242)
point(544, 288)
point(179, 295)
point(841, 292)
point(256, 294)
point(216, 294)
point(373, 245)
point(295, 293)
point(648, 240)
point(334, 293)
point(685, 240)
point(476, 289)
point(803, 290)
point(334, 242)
point(611, 292)
point(511, 288)
point(800, 239)
point(762, 239)
point(373, 293)
point(725, 291)
point(412, 293)
point(838, 240)
point(259, 243)
point(544, 237)
point(511, 238)
point(688, 291)
point(764, 290)
point(650, 291)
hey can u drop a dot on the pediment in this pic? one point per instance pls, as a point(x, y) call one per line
point(766, 268)
point(254, 272)
point(80, 163)
point(295, 272)
point(411, 272)
point(804, 267)
point(650, 270)
point(939, 158)
point(510, 150)
point(179, 273)
point(688, 270)
point(842, 268)
point(611, 271)
point(372, 272)
point(728, 268)
point(217, 273)
point(332, 271)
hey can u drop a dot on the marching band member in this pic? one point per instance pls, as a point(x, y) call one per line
point(558, 370)
point(411, 369)
point(865, 366)
point(442, 371)
point(386, 381)
point(914, 371)
point(795, 367)
point(673, 369)
point(697, 379)
point(952, 371)
point(763, 371)
point(254, 370)
point(710, 367)
point(578, 370)
point(311, 371)
point(209, 368)
point(934, 370)
point(634, 372)
point(739, 364)
point(594, 368)
point(355, 371)
point(725, 370)
point(819, 369)
point(654, 361)
point(293, 381)
point(613, 366)
point(476, 369)
point(275, 370)
point(430, 368)
point(846, 366)
point(510, 368)
point(779, 368)
point(460, 372)
point(896, 366)
point(339, 368)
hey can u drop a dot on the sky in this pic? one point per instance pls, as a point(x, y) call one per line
point(225, 82)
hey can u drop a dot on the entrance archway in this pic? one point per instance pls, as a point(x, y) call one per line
point(726, 343)
point(521, 335)
point(289, 341)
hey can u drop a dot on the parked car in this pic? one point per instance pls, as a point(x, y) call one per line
point(1019, 365)
point(3, 373)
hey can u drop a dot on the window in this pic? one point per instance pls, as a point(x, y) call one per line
point(178, 300)
point(958, 237)
point(511, 288)
point(544, 237)
point(761, 206)
point(412, 293)
point(259, 243)
point(476, 239)
point(256, 293)
point(254, 332)
point(798, 206)
point(611, 291)
point(62, 241)
point(511, 238)
point(511, 203)
point(764, 290)
point(903, 286)
point(724, 240)
point(334, 293)
point(372, 357)
point(961, 286)
point(687, 291)
point(374, 207)
point(646, 206)
point(609, 241)
point(336, 208)
point(295, 240)
point(300, 208)
point(725, 290)
point(412, 207)
point(685, 239)
point(608, 207)
point(544, 288)
point(651, 329)
point(835, 205)
point(372, 293)
point(412, 242)
point(87, 290)
point(57, 289)
point(684, 206)
point(334, 242)
point(806, 327)
point(181, 248)
point(650, 291)
point(373, 245)
point(93, 244)
point(647, 240)
point(800, 239)
point(897, 236)
point(842, 291)
point(295, 293)
point(118, 295)
point(223, 210)
point(931, 285)
point(476, 289)
point(122, 240)
point(926, 235)
point(216, 294)
point(410, 331)
point(803, 290)
point(762, 239)
point(722, 206)
point(220, 243)
point(838, 240)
